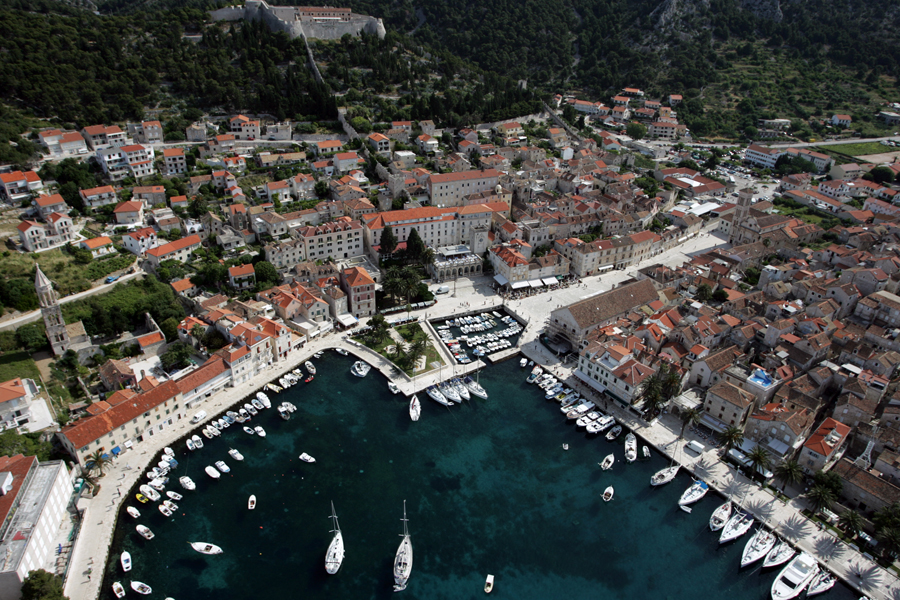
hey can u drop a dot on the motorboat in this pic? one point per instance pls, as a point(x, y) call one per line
point(251, 409)
point(318, 354)
point(535, 373)
point(145, 532)
point(335, 554)
point(739, 524)
point(608, 494)
point(217, 424)
point(664, 476)
point(168, 451)
point(198, 443)
point(523, 362)
point(341, 351)
point(290, 406)
point(720, 516)
point(244, 415)
point(474, 387)
point(257, 404)
point(310, 368)
point(780, 554)
point(758, 546)
point(249, 431)
point(264, 399)
point(165, 510)
point(697, 490)
point(393, 387)
point(125, 559)
point(585, 420)
point(284, 413)
point(118, 590)
point(438, 396)
point(251, 502)
point(403, 560)
point(133, 512)
point(794, 578)
point(141, 588)
point(273, 388)
point(607, 463)
point(206, 433)
point(307, 458)
point(259, 431)
point(415, 408)
point(360, 368)
point(170, 505)
point(821, 583)
point(565, 446)
point(630, 447)
point(645, 451)
point(600, 425)
point(190, 445)
point(488, 584)
point(235, 454)
point(149, 492)
point(205, 548)
point(158, 484)
point(142, 498)
point(187, 483)
point(614, 433)
point(174, 495)
point(212, 472)
point(221, 466)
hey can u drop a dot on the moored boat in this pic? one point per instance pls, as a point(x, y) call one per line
point(720, 516)
point(205, 548)
point(664, 476)
point(488, 584)
point(436, 395)
point(212, 472)
point(125, 559)
point(474, 387)
point(794, 578)
point(821, 583)
point(187, 483)
point(141, 588)
point(360, 368)
point(249, 431)
point(535, 373)
point(149, 492)
point(118, 590)
point(174, 495)
point(758, 546)
point(198, 443)
point(165, 510)
point(284, 413)
point(257, 404)
point(780, 554)
point(449, 392)
point(307, 458)
point(614, 433)
point(334, 556)
point(630, 447)
point(145, 532)
point(311, 368)
point(645, 452)
point(221, 466)
point(133, 512)
point(190, 445)
point(403, 560)
point(251, 502)
point(393, 388)
point(607, 463)
point(141, 498)
point(415, 408)
point(233, 453)
point(608, 494)
point(341, 351)
point(697, 490)
point(739, 524)
point(523, 362)
point(259, 431)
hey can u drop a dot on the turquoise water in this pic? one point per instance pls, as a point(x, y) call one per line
point(487, 486)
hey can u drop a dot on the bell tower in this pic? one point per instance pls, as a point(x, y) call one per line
point(53, 318)
point(741, 212)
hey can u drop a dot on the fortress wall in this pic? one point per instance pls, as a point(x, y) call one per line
point(281, 18)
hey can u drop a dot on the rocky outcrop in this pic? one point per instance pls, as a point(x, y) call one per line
point(763, 9)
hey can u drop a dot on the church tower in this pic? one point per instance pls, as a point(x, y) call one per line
point(53, 318)
point(741, 212)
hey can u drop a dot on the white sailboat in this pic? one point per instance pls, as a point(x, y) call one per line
point(438, 396)
point(403, 561)
point(794, 578)
point(694, 493)
point(630, 447)
point(664, 476)
point(415, 408)
point(737, 525)
point(758, 546)
point(780, 554)
point(335, 554)
point(821, 583)
point(720, 516)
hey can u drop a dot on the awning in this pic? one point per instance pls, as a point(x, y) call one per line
point(536, 283)
point(519, 284)
point(128, 444)
point(104, 456)
point(712, 423)
point(116, 450)
point(346, 319)
point(606, 268)
point(501, 279)
point(550, 281)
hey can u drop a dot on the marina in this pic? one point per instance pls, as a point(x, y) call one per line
point(461, 474)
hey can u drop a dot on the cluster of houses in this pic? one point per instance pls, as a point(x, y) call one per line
point(632, 105)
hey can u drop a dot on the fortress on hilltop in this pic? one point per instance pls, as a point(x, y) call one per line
point(310, 22)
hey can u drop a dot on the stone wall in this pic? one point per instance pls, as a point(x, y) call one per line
point(278, 18)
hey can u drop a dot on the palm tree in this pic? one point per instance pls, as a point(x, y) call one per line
point(410, 281)
point(789, 472)
point(392, 284)
point(851, 522)
point(671, 381)
point(731, 437)
point(890, 541)
point(759, 459)
point(690, 416)
point(652, 390)
point(97, 461)
point(427, 257)
point(416, 350)
point(820, 497)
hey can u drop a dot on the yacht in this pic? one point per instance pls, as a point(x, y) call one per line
point(415, 408)
point(664, 476)
point(697, 490)
point(585, 420)
point(145, 532)
point(460, 389)
point(449, 393)
point(360, 369)
point(535, 373)
point(608, 494)
point(780, 554)
point(758, 546)
point(601, 424)
point(335, 554)
point(630, 447)
point(737, 525)
point(794, 578)
point(204, 548)
point(403, 560)
point(720, 516)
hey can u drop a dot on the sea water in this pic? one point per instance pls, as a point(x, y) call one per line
point(488, 489)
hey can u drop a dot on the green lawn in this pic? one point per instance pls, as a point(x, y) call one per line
point(408, 332)
point(18, 364)
point(860, 149)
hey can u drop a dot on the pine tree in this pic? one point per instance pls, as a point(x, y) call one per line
point(388, 241)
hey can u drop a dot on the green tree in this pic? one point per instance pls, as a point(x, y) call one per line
point(410, 279)
point(830, 480)
point(176, 356)
point(759, 459)
point(266, 274)
point(321, 188)
point(732, 437)
point(851, 522)
point(414, 245)
point(392, 284)
point(720, 295)
point(379, 327)
point(636, 131)
point(882, 174)
point(28, 444)
point(210, 275)
point(97, 461)
point(704, 292)
point(789, 472)
point(32, 337)
point(388, 241)
point(361, 125)
point(690, 416)
point(198, 207)
point(41, 585)
point(169, 329)
point(820, 496)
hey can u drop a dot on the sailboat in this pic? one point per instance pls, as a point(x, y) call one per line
point(780, 554)
point(403, 561)
point(758, 546)
point(664, 475)
point(694, 493)
point(415, 408)
point(720, 516)
point(737, 525)
point(335, 554)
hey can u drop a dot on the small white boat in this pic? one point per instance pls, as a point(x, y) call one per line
point(608, 494)
point(262, 399)
point(630, 447)
point(259, 431)
point(207, 433)
point(150, 492)
point(794, 578)
point(607, 463)
point(211, 471)
point(235, 454)
point(614, 433)
point(535, 373)
point(220, 465)
point(664, 476)
point(334, 556)
point(174, 495)
point(393, 387)
point(187, 483)
point(141, 588)
point(170, 505)
point(168, 451)
point(780, 554)
point(720, 516)
point(307, 458)
point(133, 512)
point(145, 532)
point(251, 502)
point(488, 584)
point(257, 404)
point(318, 354)
point(125, 559)
point(360, 368)
point(198, 443)
point(523, 362)
point(341, 351)
point(694, 493)
point(645, 452)
point(165, 510)
point(758, 546)
point(118, 590)
point(565, 446)
point(415, 408)
point(204, 548)
point(190, 445)
point(249, 431)
point(311, 368)
point(821, 583)
point(737, 525)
